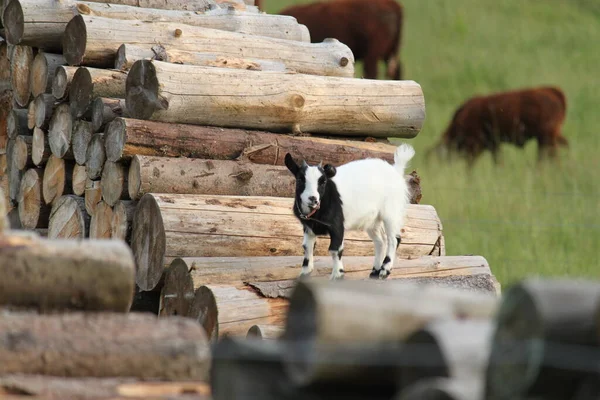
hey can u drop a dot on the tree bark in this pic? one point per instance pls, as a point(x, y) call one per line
point(264, 331)
point(20, 66)
point(16, 123)
point(85, 43)
point(33, 212)
point(177, 293)
point(69, 219)
point(323, 317)
point(61, 85)
point(43, 70)
point(83, 345)
point(123, 211)
point(44, 106)
point(155, 91)
point(105, 109)
point(58, 275)
point(128, 54)
point(22, 152)
point(169, 226)
point(100, 222)
point(60, 130)
point(266, 25)
point(95, 156)
point(89, 83)
point(127, 137)
point(544, 330)
point(40, 148)
point(80, 141)
point(114, 183)
point(79, 179)
point(93, 195)
point(443, 389)
point(57, 179)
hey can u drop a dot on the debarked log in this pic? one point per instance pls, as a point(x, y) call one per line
point(274, 101)
point(90, 83)
point(33, 212)
point(68, 218)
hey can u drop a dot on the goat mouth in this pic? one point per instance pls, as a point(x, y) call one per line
point(313, 209)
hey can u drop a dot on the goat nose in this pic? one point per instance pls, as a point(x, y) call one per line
point(313, 199)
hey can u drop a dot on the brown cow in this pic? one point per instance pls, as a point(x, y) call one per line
point(370, 28)
point(484, 122)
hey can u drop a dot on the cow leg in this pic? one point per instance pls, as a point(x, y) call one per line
point(310, 240)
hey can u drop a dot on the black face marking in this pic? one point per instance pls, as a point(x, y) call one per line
point(305, 262)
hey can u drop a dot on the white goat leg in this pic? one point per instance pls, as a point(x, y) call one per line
point(309, 242)
point(377, 236)
point(338, 266)
point(393, 241)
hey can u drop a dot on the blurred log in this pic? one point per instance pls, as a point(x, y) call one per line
point(44, 106)
point(61, 85)
point(128, 54)
point(79, 179)
point(122, 218)
point(355, 106)
point(43, 70)
point(177, 293)
point(245, 226)
point(4, 220)
point(546, 330)
point(57, 179)
point(40, 148)
point(127, 137)
point(100, 221)
point(264, 331)
point(69, 219)
point(16, 123)
point(105, 109)
point(80, 140)
point(60, 130)
point(20, 68)
point(114, 182)
point(323, 315)
point(442, 389)
point(95, 156)
point(93, 195)
point(89, 83)
point(22, 152)
point(85, 43)
point(170, 348)
point(57, 275)
point(187, 5)
point(33, 212)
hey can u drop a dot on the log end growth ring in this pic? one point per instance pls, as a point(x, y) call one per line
point(14, 22)
point(142, 90)
point(74, 40)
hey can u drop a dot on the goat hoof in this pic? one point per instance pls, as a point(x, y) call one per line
point(374, 274)
point(383, 274)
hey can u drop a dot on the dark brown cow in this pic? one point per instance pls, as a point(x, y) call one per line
point(484, 122)
point(370, 28)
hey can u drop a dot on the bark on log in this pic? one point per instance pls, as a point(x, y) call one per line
point(123, 211)
point(127, 137)
point(57, 179)
point(61, 85)
point(85, 43)
point(89, 83)
point(105, 109)
point(545, 331)
point(155, 91)
point(58, 275)
point(69, 219)
point(177, 293)
point(93, 195)
point(128, 54)
point(44, 106)
point(60, 130)
point(168, 226)
point(442, 389)
point(100, 222)
point(16, 123)
point(323, 315)
point(43, 70)
point(40, 148)
point(22, 152)
point(33, 212)
point(4, 67)
point(79, 179)
point(80, 140)
point(264, 331)
point(82, 344)
point(95, 156)
point(20, 66)
point(266, 25)
point(114, 182)
point(6, 101)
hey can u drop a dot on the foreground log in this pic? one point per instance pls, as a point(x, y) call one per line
point(60, 130)
point(547, 328)
point(79, 179)
point(89, 83)
point(114, 182)
point(126, 137)
point(21, 61)
point(43, 70)
point(16, 123)
point(57, 179)
point(95, 156)
point(168, 226)
point(80, 140)
point(177, 293)
point(322, 314)
point(40, 148)
point(123, 211)
point(128, 54)
point(85, 43)
point(69, 219)
point(442, 389)
point(175, 349)
point(93, 195)
point(57, 275)
point(105, 109)
point(355, 106)
point(100, 221)
point(61, 85)
point(264, 331)
point(33, 212)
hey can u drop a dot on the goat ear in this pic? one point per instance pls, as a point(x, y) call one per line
point(329, 170)
point(291, 164)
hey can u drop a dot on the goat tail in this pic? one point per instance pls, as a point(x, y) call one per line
point(403, 154)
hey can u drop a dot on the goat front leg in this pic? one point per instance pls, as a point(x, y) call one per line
point(309, 242)
point(336, 249)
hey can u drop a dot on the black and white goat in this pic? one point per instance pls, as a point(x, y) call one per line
point(368, 195)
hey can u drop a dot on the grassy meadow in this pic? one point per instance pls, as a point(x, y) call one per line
point(525, 220)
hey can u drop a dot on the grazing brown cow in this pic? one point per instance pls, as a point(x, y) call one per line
point(484, 122)
point(370, 28)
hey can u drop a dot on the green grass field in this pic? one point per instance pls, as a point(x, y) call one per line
point(523, 219)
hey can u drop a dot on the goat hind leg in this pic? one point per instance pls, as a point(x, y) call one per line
point(393, 241)
point(377, 236)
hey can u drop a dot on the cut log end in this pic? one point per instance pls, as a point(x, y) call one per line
point(142, 90)
point(68, 219)
point(121, 222)
point(82, 134)
point(54, 179)
point(134, 182)
point(32, 212)
point(60, 130)
point(113, 182)
point(79, 179)
point(115, 139)
point(178, 290)
point(205, 311)
point(80, 93)
point(14, 22)
point(100, 222)
point(95, 156)
point(74, 40)
point(22, 152)
point(61, 83)
point(40, 150)
point(20, 67)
